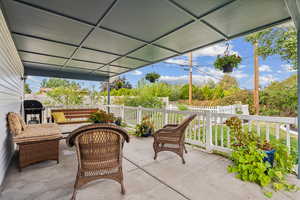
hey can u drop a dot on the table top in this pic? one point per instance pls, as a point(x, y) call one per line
point(68, 128)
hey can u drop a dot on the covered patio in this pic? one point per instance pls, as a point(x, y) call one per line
point(204, 176)
point(99, 40)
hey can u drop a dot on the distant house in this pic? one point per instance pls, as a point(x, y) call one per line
point(45, 90)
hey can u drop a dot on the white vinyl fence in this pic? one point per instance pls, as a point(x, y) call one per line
point(231, 109)
point(207, 130)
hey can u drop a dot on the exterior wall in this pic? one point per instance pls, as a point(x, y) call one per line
point(11, 91)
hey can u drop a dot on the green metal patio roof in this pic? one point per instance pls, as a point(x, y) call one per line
point(95, 39)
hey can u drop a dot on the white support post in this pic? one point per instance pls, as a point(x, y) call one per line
point(108, 96)
point(208, 133)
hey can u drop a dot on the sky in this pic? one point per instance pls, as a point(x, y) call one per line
point(271, 69)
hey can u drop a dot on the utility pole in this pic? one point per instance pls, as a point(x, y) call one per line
point(191, 78)
point(256, 80)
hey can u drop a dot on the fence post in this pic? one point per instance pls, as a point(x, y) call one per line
point(208, 129)
point(139, 115)
point(165, 115)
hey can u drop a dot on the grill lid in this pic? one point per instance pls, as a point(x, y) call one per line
point(29, 104)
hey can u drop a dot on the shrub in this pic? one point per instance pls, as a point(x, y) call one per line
point(102, 117)
point(249, 159)
point(146, 101)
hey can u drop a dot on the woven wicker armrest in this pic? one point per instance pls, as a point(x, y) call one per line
point(71, 138)
point(168, 130)
point(170, 125)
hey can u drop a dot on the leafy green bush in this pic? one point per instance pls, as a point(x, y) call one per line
point(70, 95)
point(102, 117)
point(146, 101)
point(248, 159)
point(280, 98)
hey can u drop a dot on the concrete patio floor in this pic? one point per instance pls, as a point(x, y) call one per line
point(204, 176)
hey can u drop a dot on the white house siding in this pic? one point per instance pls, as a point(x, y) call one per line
point(11, 91)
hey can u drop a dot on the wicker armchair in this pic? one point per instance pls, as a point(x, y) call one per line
point(171, 138)
point(99, 152)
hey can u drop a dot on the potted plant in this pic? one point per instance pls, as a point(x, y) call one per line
point(145, 129)
point(102, 117)
point(118, 121)
point(242, 139)
point(269, 150)
point(226, 63)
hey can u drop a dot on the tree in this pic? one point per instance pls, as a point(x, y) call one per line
point(280, 98)
point(71, 95)
point(57, 82)
point(27, 89)
point(152, 77)
point(228, 82)
point(280, 41)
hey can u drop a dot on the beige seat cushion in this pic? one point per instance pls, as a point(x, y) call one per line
point(38, 132)
point(22, 122)
point(15, 125)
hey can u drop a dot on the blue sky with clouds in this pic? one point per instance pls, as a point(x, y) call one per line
point(271, 69)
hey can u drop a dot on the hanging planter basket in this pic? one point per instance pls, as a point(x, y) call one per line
point(227, 68)
point(227, 62)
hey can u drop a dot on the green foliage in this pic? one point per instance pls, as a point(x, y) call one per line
point(231, 60)
point(152, 77)
point(71, 95)
point(182, 107)
point(102, 117)
point(27, 90)
point(249, 165)
point(184, 91)
point(248, 159)
point(58, 82)
point(280, 41)
point(228, 82)
point(145, 127)
point(285, 93)
point(146, 101)
point(156, 90)
point(121, 92)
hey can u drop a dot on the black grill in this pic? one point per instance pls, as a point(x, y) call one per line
point(33, 107)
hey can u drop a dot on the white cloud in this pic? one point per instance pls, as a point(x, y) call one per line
point(136, 73)
point(177, 61)
point(242, 66)
point(197, 79)
point(265, 68)
point(288, 68)
point(267, 79)
point(238, 74)
point(33, 79)
point(214, 50)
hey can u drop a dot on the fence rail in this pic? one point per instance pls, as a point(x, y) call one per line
point(208, 129)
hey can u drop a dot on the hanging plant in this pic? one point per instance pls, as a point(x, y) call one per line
point(227, 62)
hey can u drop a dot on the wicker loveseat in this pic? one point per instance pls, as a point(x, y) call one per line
point(99, 153)
point(36, 143)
